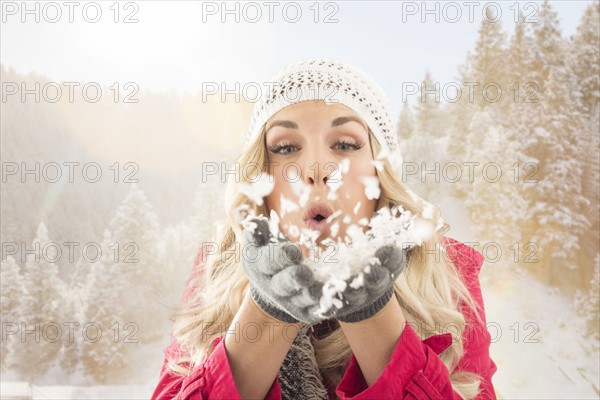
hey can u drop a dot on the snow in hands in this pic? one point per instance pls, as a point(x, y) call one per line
point(344, 261)
point(352, 259)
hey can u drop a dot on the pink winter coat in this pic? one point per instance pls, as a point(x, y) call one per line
point(414, 372)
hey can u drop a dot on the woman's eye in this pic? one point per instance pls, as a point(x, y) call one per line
point(287, 148)
point(347, 146)
point(284, 148)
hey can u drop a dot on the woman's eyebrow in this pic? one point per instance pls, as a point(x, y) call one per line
point(336, 122)
point(343, 120)
point(285, 124)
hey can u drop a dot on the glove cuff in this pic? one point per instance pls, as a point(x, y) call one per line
point(270, 308)
point(370, 310)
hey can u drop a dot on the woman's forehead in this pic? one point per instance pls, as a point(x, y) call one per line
point(294, 115)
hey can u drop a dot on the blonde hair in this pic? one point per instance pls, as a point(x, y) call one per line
point(429, 291)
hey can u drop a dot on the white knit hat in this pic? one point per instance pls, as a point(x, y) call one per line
point(333, 82)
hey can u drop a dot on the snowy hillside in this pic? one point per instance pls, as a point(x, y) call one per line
point(537, 339)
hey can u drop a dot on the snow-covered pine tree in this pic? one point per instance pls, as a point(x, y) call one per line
point(487, 71)
point(209, 206)
point(521, 77)
point(549, 47)
point(76, 299)
point(79, 282)
point(42, 307)
point(496, 201)
point(179, 245)
point(406, 124)
point(459, 117)
point(135, 231)
point(426, 149)
point(590, 189)
point(585, 53)
point(104, 352)
point(524, 110)
point(405, 130)
point(520, 119)
point(584, 56)
point(11, 295)
point(527, 76)
point(427, 109)
point(209, 202)
point(559, 211)
point(519, 57)
point(488, 63)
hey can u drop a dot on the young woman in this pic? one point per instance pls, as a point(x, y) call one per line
point(412, 327)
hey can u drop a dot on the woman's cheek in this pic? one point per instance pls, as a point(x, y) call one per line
point(352, 191)
point(288, 222)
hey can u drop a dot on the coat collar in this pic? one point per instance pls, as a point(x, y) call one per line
point(439, 343)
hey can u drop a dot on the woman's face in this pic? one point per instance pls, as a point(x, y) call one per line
point(306, 142)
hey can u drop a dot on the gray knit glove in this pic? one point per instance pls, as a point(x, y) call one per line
point(378, 288)
point(279, 283)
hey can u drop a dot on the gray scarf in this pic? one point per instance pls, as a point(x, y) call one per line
point(299, 376)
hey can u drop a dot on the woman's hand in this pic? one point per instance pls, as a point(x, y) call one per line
point(280, 284)
point(361, 300)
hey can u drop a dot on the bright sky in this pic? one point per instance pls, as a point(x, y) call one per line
point(172, 48)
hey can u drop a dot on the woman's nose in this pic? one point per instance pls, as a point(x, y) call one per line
point(316, 163)
point(316, 175)
point(317, 172)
